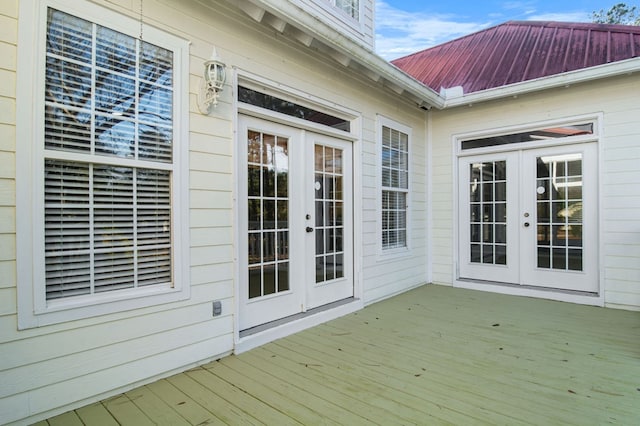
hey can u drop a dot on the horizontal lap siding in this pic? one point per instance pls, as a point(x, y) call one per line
point(79, 361)
point(617, 99)
point(621, 197)
point(361, 31)
point(12, 405)
point(8, 52)
point(48, 368)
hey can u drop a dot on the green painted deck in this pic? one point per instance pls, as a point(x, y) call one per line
point(434, 355)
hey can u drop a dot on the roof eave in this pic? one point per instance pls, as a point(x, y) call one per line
point(345, 51)
point(628, 66)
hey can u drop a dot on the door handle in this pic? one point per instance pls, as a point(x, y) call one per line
point(309, 229)
point(526, 224)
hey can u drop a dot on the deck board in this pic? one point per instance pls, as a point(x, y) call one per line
point(96, 414)
point(188, 408)
point(288, 403)
point(389, 397)
point(411, 378)
point(69, 418)
point(288, 386)
point(216, 405)
point(435, 355)
point(126, 412)
point(347, 411)
point(321, 384)
point(154, 407)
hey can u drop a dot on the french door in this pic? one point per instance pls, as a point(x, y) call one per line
point(529, 217)
point(295, 221)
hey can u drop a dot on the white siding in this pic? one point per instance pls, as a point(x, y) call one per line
point(47, 370)
point(8, 50)
point(617, 100)
point(362, 31)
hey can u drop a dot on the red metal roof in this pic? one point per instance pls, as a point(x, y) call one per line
point(518, 51)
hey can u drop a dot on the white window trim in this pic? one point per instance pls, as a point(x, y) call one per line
point(33, 310)
point(598, 134)
point(392, 253)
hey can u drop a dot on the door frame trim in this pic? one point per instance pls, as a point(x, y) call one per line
point(597, 299)
point(355, 138)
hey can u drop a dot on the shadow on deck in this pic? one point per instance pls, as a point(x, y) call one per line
point(429, 356)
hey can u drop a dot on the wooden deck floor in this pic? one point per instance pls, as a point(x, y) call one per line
point(435, 355)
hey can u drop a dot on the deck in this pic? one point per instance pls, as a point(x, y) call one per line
point(434, 355)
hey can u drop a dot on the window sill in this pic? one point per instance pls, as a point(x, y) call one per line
point(388, 255)
point(61, 311)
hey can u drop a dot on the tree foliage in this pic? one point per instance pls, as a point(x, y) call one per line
point(620, 13)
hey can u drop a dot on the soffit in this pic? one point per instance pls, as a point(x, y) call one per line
point(297, 24)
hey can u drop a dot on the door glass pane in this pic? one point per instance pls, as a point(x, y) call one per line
point(559, 212)
point(488, 212)
point(329, 213)
point(267, 214)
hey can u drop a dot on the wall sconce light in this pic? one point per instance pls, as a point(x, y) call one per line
point(212, 83)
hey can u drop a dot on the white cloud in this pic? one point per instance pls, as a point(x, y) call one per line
point(399, 33)
point(526, 10)
point(561, 17)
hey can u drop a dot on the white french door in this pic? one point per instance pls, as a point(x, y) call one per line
point(295, 221)
point(329, 251)
point(529, 217)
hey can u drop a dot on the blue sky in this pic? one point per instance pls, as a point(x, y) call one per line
point(407, 26)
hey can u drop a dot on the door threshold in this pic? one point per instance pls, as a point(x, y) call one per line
point(561, 295)
point(265, 333)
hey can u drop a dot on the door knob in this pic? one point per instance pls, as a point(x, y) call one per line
point(309, 229)
point(526, 224)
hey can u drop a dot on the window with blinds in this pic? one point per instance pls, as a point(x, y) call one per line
point(395, 187)
point(108, 160)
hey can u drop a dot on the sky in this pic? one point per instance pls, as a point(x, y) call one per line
point(408, 26)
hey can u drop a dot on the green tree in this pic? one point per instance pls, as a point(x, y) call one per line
point(620, 13)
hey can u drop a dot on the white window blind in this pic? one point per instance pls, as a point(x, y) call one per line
point(395, 187)
point(108, 160)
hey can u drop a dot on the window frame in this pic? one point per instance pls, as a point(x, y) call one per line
point(33, 308)
point(394, 251)
point(357, 7)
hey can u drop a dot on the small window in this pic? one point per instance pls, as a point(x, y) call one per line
point(350, 7)
point(272, 103)
point(530, 136)
point(395, 187)
point(110, 177)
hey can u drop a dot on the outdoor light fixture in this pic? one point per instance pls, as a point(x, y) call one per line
point(212, 83)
